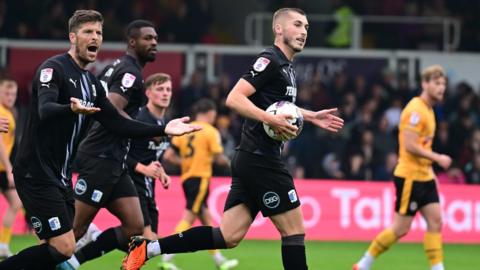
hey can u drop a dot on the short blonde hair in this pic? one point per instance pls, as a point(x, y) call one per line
point(433, 72)
point(281, 12)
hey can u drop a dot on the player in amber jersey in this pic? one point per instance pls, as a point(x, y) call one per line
point(8, 95)
point(415, 184)
point(195, 154)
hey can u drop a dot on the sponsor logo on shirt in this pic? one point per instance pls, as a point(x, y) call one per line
point(80, 187)
point(36, 224)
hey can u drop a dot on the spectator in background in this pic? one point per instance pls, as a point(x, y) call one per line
point(340, 37)
point(195, 90)
point(384, 170)
point(472, 170)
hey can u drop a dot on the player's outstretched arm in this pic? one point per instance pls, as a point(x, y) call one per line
point(4, 123)
point(325, 119)
point(79, 107)
point(180, 126)
point(238, 101)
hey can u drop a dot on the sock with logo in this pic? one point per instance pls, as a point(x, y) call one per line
point(382, 242)
point(193, 239)
point(432, 243)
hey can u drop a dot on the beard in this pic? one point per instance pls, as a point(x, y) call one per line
point(290, 43)
point(82, 58)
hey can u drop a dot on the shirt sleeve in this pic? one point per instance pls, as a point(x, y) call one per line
point(48, 81)
point(413, 120)
point(262, 70)
point(125, 82)
point(215, 142)
point(111, 119)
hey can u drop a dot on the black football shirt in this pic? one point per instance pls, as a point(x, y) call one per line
point(273, 77)
point(124, 77)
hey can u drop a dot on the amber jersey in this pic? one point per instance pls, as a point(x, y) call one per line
point(8, 138)
point(418, 117)
point(197, 149)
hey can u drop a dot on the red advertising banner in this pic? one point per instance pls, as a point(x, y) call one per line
point(23, 63)
point(333, 210)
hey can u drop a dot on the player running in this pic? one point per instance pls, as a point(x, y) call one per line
point(415, 183)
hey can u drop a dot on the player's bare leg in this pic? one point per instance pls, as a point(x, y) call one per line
point(290, 226)
point(384, 240)
point(47, 254)
point(14, 204)
point(432, 241)
point(234, 225)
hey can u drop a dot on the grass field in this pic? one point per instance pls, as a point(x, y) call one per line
point(260, 255)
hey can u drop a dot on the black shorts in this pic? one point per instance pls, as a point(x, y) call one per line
point(101, 181)
point(262, 184)
point(146, 194)
point(196, 190)
point(4, 182)
point(412, 195)
point(49, 208)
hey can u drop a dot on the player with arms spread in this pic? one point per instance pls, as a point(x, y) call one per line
point(260, 180)
point(415, 184)
point(64, 94)
point(103, 179)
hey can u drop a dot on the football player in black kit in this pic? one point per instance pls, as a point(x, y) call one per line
point(103, 179)
point(145, 154)
point(64, 95)
point(260, 181)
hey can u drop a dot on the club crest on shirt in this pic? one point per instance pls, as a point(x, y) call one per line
point(414, 118)
point(128, 80)
point(46, 75)
point(261, 64)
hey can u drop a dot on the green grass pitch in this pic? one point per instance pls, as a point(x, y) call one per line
point(265, 255)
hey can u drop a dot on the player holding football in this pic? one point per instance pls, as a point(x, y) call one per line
point(65, 96)
point(415, 184)
point(8, 95)
point(260, 181)
point(197, 152)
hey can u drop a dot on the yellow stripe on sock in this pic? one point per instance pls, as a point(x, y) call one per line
point(432, 244)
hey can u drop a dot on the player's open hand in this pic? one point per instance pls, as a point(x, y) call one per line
point(279, 123)
point(4, 124)
point(81, 107)
point(179, 126)
point(327, 119)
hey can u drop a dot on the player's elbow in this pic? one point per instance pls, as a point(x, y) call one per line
point(230, 102)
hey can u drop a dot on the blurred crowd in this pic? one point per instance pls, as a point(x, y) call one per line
point(195, 21)
point(367, 147)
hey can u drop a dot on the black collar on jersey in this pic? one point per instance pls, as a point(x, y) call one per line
point(133, 60)
point(280, 55)
point(74, 63)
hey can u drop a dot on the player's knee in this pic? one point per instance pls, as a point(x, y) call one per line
point(64, 246)
point(435, 224)
point(133, 229)
point(232, 240)
point(79, 230)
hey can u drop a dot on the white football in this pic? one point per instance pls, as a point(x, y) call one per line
point(284, 107)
